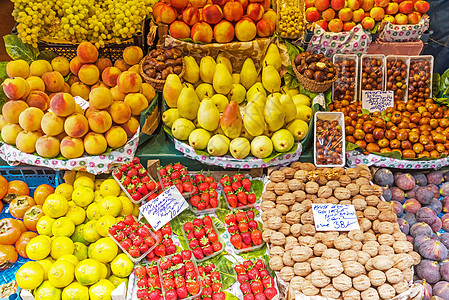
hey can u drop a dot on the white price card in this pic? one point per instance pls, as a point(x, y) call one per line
point(81, 102)
point(377, 100)
point(164, 207)
point(333, 217)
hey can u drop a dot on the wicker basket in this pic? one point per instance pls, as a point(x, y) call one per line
point(156, 83)
point(312, 85)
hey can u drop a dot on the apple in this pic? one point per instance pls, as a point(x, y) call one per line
point(414, 18)
point(392, 8)
point(337, 4)
point(233, 11)
point(401, 19)
point(321, 5)
point(422, 6)
point(354, 4)
point(328, 14)
point(347, 26)
point(312, 14)
point(335, 25)
point(322, 24)
point(406, 7)
point(368, 23)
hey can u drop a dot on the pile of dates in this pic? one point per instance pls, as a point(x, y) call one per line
point(328, 143)
point(419, 86)
point(315, 66)
point(159, 63)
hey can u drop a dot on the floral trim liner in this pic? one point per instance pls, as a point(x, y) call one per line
point(354, 158)
point(92, 164)
point(230, 162)
point(403, 33)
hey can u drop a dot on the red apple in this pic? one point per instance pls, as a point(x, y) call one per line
point(381, 3)
point(368, 23)
point(224, 32)
point(345, 14)
point(179, 30)
point(422, 6)
point(366, 5)
point(406, 7)
point(322, 24)
point(179, 4)
point(401, 19)
point(255, 11)
point(392, 8)
point(212, 14)
point(264, 28)
point(312, 14)
point(321, 4)
point(337, 4)
point(347, 26)
point(414, 18)
point(309, 3)
point(328, 14)
point(354, 4)
point(335, 25)
point(377, 13)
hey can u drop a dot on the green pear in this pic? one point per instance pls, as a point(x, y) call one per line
point(220, 101)
point(188, 84)
point(299, 129)
point(261, 146)
point(170, 116)
point(260, 99)
point(304, 113)
point(291, 91)
point(222, 81)
point(208, 115)
point(222, 59)
point(172, 89)
point(253, 119)
point(248, 74)
point(239, 148)
point(271, 79)
point(274, 113)
point(289, 107)
point(283, 140)
point(256, 88)
point(182, 128)
point(272, 57)
point(199, 138)
point(188, 103)
point(192, 70)
point(207, 69)
point(301, 99)
point(235, 78)
point(218, 145)
point(238, 93)
point(204, 90)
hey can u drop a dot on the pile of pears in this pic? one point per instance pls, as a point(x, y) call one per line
point(237, 113)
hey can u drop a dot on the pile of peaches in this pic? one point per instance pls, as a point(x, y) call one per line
point(341, 15)
point(219, 20)
point(47, 115)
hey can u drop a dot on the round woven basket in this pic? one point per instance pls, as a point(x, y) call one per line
point(312, 85)
point(157, 84)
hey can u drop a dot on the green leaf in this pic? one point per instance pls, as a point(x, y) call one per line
point(274, 154)
point(444, 101)
point(257, 186)
point(436, 84)
point(189, 40)
point(3, 98)
point(47, 55)
point(219, 225)
point(3, 74)
point(201, 152)
point(225, 267)
point(177, 222)
point(255, 253)
point(230, 296)
point(292, 50)
point(328, 97)
point(290, 78)
point(183, 242)
point(350, 146)
point(17, 49)
point(444, 81)
point(365, 112)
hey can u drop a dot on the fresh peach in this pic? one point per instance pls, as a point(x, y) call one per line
point(245, 30)
point(381, 3)
point(322, 24)
point(377, 13)
point(224, 32)
point(368, 23)
point(244, 4)
point(198, 3)
point(129, 82)
point(12, 109)
point(167, 14)
point(328, 14)
point(89, 111)
point(266, 4)
point(264, 28)
point(18, 68)
point(347, 26)
point(358, 15)
point(39, 67)
point(80, 89)
point(157, 11)
point(321, 5)
point(389, 18)
point(66, 88)
point(354, 4)
point(406, 7)
point(36, 84)
point(148, 91)
point(312, 14)
point(99, 121)
point(335, 25)
point(10, 132)
point(201, 32)
point(337, 4)
point(422, 6)
point(103, 63)
point(271, 16)
point(345, 14)
point(221, 3)
point(392, 8)
point(401, 19)
point(71, 147)
point(117, 95)
point(110, 75)
point(95, 143)
point(87, 53)
point(62, 104)
point(54, 82)
point(414, 18)
point(233, 11)
point(61, 136)
point(309, 3)
point(131, 127)
point(78, 109)
point(190, 15)
point(255, 11)
point(116, 137)
point(100, 98)
point(366, 5)
point(76, 125)
point(120, 112)
point(51, 124)
point(212, 14)
point(89, 74)
point(75, 65)
point(47, 146)
point(38, 99)
point(72, 79)
point(179, 30)
point(3, 122)
point(179, 4)
point(62, 65)
point(133, 54)
point(26, 141)
point(137, 102)
point(121, 64)
point(16, 88)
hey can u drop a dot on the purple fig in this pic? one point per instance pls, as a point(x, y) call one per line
point(384, 177)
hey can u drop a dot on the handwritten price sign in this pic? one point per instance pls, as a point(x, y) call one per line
point(332, 217)
point(164, 207)
point(377, 100)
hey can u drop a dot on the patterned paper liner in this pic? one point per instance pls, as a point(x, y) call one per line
point(354, 158)
point(403, 33)
point(355, 41)
point(92, 164)
point(230, 162)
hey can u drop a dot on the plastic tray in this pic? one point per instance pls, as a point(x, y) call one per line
point(330, 116)
point(338, 58)
point(245, 206)
point(223, 244)
point(197, 277)
point(132, 284)
point(380, 57)
point(286, 5)
point(238, 251)
point(395, 58)
point(428, 58)
point(185, 194)
point(129, 196)
point(209, 210)
point(32, 176)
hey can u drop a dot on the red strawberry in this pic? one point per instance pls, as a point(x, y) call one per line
point(260, 296)
point(219, 296)
point(166, 230)
point(131, 173)
point(242, 197)
point(143, 248)
point(140, 271)
point(136, 196)
point(207, 229)
point(240, 269)
point(248, 264)
point(225, 180)
point(213, 202)
point(189, 266)
point(149, 240)
point(240, 216)
point(142, 189)
point(167, 242)
point(188, 227)
point(143, 232)
point(227, 190)
point(170, 249)
point(246, 237)
point(142, 283)
point(253, 274)
point(193, 287)
point(171, 295)
point(124, 167)
point(236, 241)
point(155, 295)
point(204, 241)
point(212, 236)
point(128, 220)
point(207, 291)
point(270, 292)
point(134, 251)
point(217, 286)
point(250, 214)
point(176, 259)
point(193, 244)
point(180, 272)
point(233, 229)
point(136, 160)
point(198, 253)
point(259, 265)
point(207, 220)
point(252, 224)
point(248, 297)
point(246, 183)
point(232, 200)
point(252, 198)
point(242, 278)
point(194, 200)
point(263, 273)
point(182, 292)
point(209, 268)
point(199, 233)
point(187, 186)
point(179, 282)
point(202, 205)
point(256, 237)
point(160, 250)
point(267, 282)
point(243, 227)
point(190, 236)
point(208, 250)
point(151, 270)
point(198, 222)
point(256, 286)
point(209, 179)
point(199, 178)
point(203, 186)
point(165, 264)
point(245, 288)
point(142, 293)
point(191, 274)
point(230, 219)
point(205, 198)
point(178, 166)
point(126, 244)
point(236, 185)
point(186, 255)
point(217, 246)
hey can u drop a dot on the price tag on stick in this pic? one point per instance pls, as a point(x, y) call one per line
point(332, 217)
point(164, 207)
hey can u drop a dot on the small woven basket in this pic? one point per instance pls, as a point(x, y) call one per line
point(312, 85)
point(157, 84)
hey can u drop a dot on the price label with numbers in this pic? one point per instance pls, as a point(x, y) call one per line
point(332, 217)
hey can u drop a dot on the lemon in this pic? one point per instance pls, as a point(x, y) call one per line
point(83, 181)
point(75, 291)
point(60, 246)
point(90, 234)
point(98, 183)
point(77, 236)
point(122, 265)
point(104, 250)
point(98, 196)
point(47, 291)
point(110, 205)
point(44, 224)
point(118, 280)
point(88, 271)
point(30, 275)
point(136, 210)
point(110, 187)
point(83, 196)
point(70, 258)
point(105, 271)
point(80, 251)
point(64, 190)
point(61, 273)
point(55, 206)
point(63, 227)
point(38, 247)
point(46, 264)
point(76, 213)
point(104, 223)
point(127, 206)
point(84, 174)
point(101, 290)
point(93, 211)
point(122, 194)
